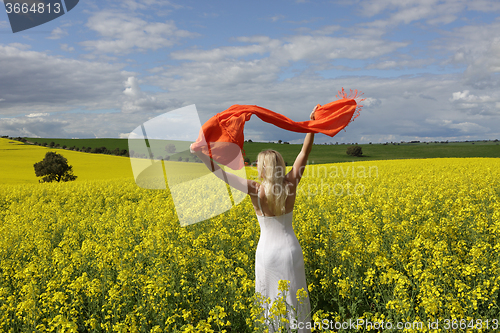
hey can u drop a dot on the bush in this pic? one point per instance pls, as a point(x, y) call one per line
point(99, 150)
point(54, 167)
point(354, 151)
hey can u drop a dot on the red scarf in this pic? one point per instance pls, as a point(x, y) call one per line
point(224, 131)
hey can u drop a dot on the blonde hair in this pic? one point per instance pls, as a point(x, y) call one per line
point(272, 171)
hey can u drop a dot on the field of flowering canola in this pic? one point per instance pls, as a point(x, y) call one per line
point(399, 241)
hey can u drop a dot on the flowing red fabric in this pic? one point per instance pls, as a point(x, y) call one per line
point(221, 137)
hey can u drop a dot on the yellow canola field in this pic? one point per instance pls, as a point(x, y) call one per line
point(18, 159)
point(407, 241)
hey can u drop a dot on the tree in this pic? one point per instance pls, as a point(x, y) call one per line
point(354, 151)
point(170, 148)
point(54, 167)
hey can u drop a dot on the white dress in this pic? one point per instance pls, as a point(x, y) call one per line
point(279, 257)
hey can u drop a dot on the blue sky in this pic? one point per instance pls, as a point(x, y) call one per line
point(429, 70)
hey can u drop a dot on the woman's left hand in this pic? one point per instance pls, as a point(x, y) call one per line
point(312, 113)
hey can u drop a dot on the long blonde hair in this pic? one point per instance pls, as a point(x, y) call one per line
point(272, 171)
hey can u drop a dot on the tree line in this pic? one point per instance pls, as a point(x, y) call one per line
point(95, 150)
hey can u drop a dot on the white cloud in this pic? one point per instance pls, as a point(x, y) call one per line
point(477, 48)
point(476, 105)
point(400, 64)
point(131, 87)
point(220, 53)
point(468, 127)
point(32, 82)
point(276, 18)
point(484, 5)
point(39, 114)
point(33, 127)
point(464, 128)
point(465, 96)
point(431, 12)
point(122, 33)
point(20, 46)
point(407, 11)
point(57, 33)
point(67, 48)
point(315, 48)
point(138, 101)
point(371, 102)
point(135, 5)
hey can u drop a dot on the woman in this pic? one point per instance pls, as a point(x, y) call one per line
point(279, 255)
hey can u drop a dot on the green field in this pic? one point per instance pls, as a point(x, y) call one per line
point(329, 153)
point(337, 153)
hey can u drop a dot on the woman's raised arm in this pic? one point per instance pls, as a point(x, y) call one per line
point(241, 184)
point(299, 165)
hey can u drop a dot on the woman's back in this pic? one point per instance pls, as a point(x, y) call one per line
point(263, 209)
